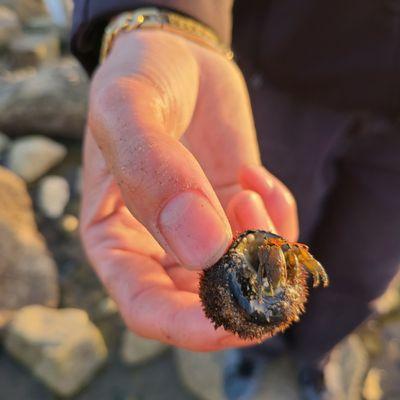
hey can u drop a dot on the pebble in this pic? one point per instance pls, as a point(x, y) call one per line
point(32, 156)
point(53, 196)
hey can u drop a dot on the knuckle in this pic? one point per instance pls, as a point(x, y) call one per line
point(105, 98)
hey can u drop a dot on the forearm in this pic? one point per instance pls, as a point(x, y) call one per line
point(91, 18)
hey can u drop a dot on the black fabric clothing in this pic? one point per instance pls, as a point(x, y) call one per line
point(345, 54)
point(343, 169)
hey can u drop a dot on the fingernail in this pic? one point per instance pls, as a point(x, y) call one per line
point(251, 213)
point(193, 229)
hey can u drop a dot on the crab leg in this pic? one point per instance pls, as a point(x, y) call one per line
point(315, 268)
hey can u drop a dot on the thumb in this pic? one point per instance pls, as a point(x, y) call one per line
point(161, 182)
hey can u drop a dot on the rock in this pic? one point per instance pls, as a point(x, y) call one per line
point(69, 223)
point(26, 9)
point(32, 156)
point(135, 349)
point(106, 308)
point(346, 369)
point(372, 387)
point(40, 24)
point(390, 300)
point(9, 25)
point(51, 101)
point(383, 377)
point(280, 381)
point(33, 49)
point(28, 273)
point(201, 373)
point(61, 347)
point(4, 142)
point(53, 196)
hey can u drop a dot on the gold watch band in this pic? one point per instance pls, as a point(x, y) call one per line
point(166, 20)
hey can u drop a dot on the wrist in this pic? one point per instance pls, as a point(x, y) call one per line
point(153, 18)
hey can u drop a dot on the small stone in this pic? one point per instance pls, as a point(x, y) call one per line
point(69, 223)
point(201, 373)
point(346, 369)
point(106, 308)
point(4, 142)
point(372, 386)
point(61, 347)
point(32, 156)
point(33, 49)
point(53, 196)
point(28, 273)
point(9, 25)
point(136, 350)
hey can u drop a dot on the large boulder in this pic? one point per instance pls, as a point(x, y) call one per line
point(51, 101)
point(61, 347)
point(28, 274)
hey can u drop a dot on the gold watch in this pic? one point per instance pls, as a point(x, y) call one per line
point(154, 18)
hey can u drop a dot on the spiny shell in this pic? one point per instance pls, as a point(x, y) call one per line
point(222, 301)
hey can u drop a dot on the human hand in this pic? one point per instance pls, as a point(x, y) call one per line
point(171, 168)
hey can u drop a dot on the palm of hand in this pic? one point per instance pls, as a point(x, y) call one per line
point(192, 108)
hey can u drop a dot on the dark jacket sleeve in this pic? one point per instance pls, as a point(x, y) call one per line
point(91, 17)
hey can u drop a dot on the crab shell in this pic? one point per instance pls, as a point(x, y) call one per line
point(227, 292)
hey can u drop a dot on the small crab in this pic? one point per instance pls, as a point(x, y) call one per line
point(259, 287)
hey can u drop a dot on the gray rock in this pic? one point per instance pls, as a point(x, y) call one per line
point(136, 350)
point(32, 156)
point(51, 101)
point(383, 378)
point(4, 142)
point(280, 381)
point(346, 369)
point(53, 196)
point(33, 49)
point(9, 25)
point(61, 347)
point(390, 300)
point(201, 373)
point(28, 274)
point(26, 9)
